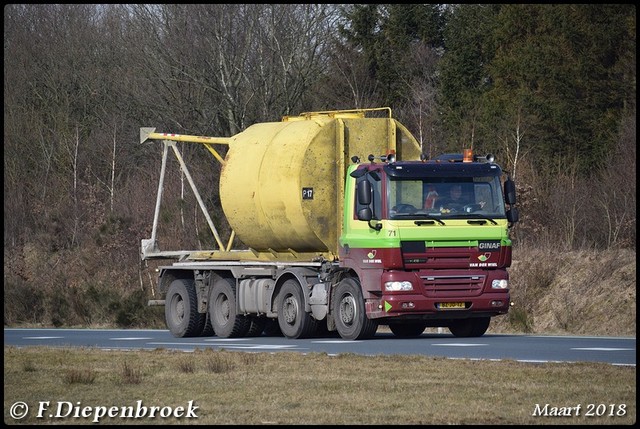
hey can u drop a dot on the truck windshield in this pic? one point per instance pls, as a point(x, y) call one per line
point(445, 197)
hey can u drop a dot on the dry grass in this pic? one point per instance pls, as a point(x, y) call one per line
point(292, 388)
point(579, 292)
point(130, 374)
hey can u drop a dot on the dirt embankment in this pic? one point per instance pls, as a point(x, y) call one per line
point(578, 292)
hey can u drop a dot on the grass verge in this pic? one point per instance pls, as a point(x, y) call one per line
point(291, 388)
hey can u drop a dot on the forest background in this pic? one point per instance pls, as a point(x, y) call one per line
point(549, 89)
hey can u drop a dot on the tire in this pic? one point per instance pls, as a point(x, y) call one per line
point(207, 330)
point(181, 309)
point(226, 321)
point(256, 326)
point(294, 322)
point(407, 329)
point(349, 312)
point(474, 327)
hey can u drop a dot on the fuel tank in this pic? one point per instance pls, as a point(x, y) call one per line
point(282, 183)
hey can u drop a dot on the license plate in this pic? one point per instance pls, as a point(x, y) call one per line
point(447, 305)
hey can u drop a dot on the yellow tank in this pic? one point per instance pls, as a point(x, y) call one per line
point(282, 183)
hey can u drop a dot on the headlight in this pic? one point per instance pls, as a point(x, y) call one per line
point(499, 284)
point(396, 286)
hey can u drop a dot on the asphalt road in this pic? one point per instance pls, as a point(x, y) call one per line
point(522, 348)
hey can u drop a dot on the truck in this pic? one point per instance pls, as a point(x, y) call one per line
point(339, 225)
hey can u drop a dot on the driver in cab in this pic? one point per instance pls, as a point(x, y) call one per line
point(455, 201)
point(455, 197)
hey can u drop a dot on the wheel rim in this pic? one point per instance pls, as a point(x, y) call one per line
point(290, 310)
point(348, 310)
point(222, 309)
point(178, 305)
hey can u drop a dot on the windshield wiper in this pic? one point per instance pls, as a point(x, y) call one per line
point(427, 216)
point(428, 222)
point(411, 216)
point(477, 216)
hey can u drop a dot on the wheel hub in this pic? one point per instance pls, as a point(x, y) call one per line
point(290, 310)
point(180, 309)
point(224, 309)
point(348, 310)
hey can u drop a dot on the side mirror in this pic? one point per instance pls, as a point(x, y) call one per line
point(364, 193)
point(510, 191)
point(512, 215)
point(365, 214)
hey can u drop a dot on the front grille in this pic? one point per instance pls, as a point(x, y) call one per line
point(452, 286)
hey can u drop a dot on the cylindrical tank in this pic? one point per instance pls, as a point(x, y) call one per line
point(282, 183)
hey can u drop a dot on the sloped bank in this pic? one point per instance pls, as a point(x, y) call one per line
point(577, 292)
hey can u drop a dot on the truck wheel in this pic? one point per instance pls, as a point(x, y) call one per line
point(256, 326)
point(207, 330)
point(294, 322)
point(226, 322)
point(181, 309)
point(349, 312)
point(474, 327)
point(408, 329)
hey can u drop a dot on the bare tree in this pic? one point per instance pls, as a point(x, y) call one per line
point(224, 67)
point(512, 147)
point(421, 108)
point(616, 193)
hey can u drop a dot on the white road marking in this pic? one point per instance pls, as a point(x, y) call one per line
point(42, 338)
point(228, 345)
point(131, 338)
point(601, 349)
point(229, 339)
point(459, 344)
